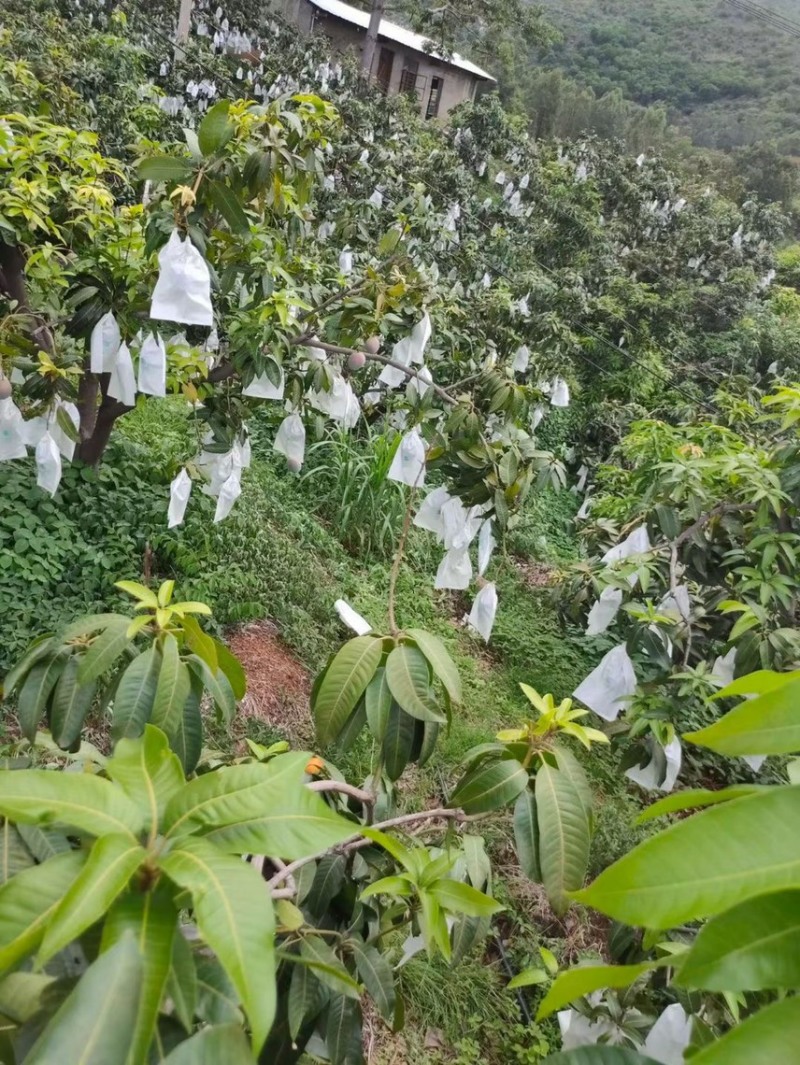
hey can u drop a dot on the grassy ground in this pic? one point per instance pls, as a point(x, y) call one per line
point(281, 555)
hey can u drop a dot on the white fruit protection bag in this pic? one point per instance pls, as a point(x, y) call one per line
point(183, 289)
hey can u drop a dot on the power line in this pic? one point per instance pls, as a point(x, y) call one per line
point(767, 16)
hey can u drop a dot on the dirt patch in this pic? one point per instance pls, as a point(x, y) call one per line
point(278, 686)
point(537, 574)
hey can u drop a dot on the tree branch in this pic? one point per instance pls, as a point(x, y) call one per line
point(364, 797)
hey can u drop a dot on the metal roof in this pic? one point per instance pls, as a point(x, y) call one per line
point(391, 31)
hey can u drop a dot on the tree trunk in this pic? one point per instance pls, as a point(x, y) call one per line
point(372, 35)
point(98, 423)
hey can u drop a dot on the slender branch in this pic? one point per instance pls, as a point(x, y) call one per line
point(365, 797)
point(398, 559)
point(357, 840)
point(341, 294)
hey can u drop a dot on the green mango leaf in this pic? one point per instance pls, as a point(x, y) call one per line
point(430, 736)
point(36, 690)
point(461, 898)
point(490, 787)
point(389, 885)
point(168, 168)
point(89, 803)
point(71, 703)
point(772, 1035)
point(263, 808)
point(352, 728)
point(21, 997)
point(398, 741)
point(152, 919)
point(697, 798)
point(564, 835)
point(39, 648)
point(223, 1045)
point(328, 966)
point(14, 853)
point(229, 206)
point(768, 724)
point(105, 650)
point(234, 915)
point(440, 661)
point(216, 129)
point(754, 946)
point(526, 835)
point(575, 983)
point(148, 772)
point(217, 686)
point(408, 677)
point(186, 736)
point(600, 1055)
point(704, 864)
point(328, 880)
point(172, 688)
point(378, 703)
point(97, 1022)
point(529, 978)
point(232, 668)
point(182, 981)
point(758, 683)
point(200, 642)
point(136, 691)
point(376, 975)
point(343, 684)
point(27, 902)
point(306, 998)
point(569, 765)
point(217, 999)
point(43, 843)
point(343, 1031)
point(107, 872)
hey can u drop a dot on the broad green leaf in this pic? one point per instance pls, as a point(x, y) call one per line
point(216, 129)
point(90, 624)
point(96, 1024)
point(14, 854)
point(397, 741)
point(343, 684)
point(107, 872)
point(468, 932)
point(306, 998)
point(38, 649)
point(569, 765)
point(229, 206)
point(758, 683)
point(754, 946)
point(217, 999)
point(770, 1036)
point(600, 1055)
point(705, 864)
point(479, 866)
point(105, 650)
point(331, 970)
point(388, 885)
point(217, 686)
point(529, 978)
point(352, 728)
point(163, 168)
point(232, 668)
point(429, 738)
point(147, 771)
point(461, 898)
point(70, 704)
point(133, 699)
point(36, 690)
point(43, 843)
point(234, 915)
point(186, 737)
point(343, 1031)
point(263, 808)
point(144, 595)
point(768, 724)
point(564, 835)
point(288, 915)
point(182, 981)
point(575, 983)
point(222, 1045)
point(378, 703)
point(526, 835)
point(79, 800)
point(442, 664)
point(408, 677)
point(376, 975)
point(27, 902)
point(328, 880)
point(152, 919)
point(696, 798)
point(489, 787)
point(200, 642)
point(172, 688)
point(20, 997)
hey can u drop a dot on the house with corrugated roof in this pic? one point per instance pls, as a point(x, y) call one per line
point(401, 63)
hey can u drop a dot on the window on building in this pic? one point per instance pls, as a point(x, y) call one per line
point(434, 97)
point(408, 79)
point(385, 66)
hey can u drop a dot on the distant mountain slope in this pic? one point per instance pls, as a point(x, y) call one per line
point(727, 78)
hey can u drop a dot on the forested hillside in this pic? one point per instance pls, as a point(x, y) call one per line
point(728, 78)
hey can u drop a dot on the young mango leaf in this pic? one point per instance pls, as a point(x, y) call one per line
point(766, 1037)
point(526, 835)
point(489, 787)
point(77, 800)
point(70, 704)
point(306, 998)
point(408, 677)
point(343, 684)
point(343, 1031)
point(96, 1023)
point(213, 1046)
point(456, 897)
point(376, 975)
point(201, 643)
point(397, 741)
point(136, 691)
point(105, 650)
point(564, 835)
point(528, 978)
point(768, 724)
point(147, 771)
point(575, 983)
point(172, 688)
point(754, 946)
point(235, 918)
point(107, 872)
point(27, 902)
point(704, 864)
point(231, 667)
point(378, 703)
point(152, 919)
point(182, 981)
point(440, 661)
